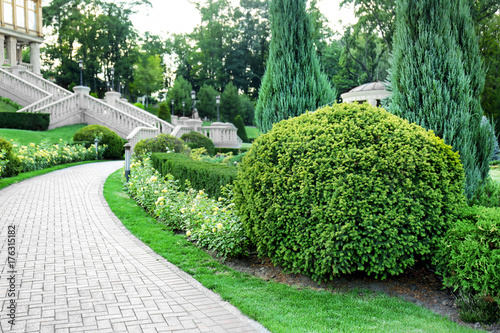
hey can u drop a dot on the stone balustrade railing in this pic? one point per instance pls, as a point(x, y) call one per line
point(223, 135)
point(22, 87)
point(141, 133)
point(61, 109)
point(162, 125)
point(52, 88)
point(37, 105)
point(27, 66)
point(117, 120)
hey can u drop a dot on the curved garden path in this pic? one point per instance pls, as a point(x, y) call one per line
point(78, 269)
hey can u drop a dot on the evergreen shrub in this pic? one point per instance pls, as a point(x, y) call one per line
point(160, 144)
point(115, 149)
point(10, 165)
point(25, 120)
point(201, 175)
point(240, 125)
point(197, 140)
point(348, 188)
point(163, 112)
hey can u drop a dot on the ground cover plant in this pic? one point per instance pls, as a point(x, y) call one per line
point(162, 143)
point(6, 105)
point(24, 137)
point(348, 188)
point(278, 307)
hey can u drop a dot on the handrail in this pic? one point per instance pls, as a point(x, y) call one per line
point(57, 91)
point(61, 108)
point(151, 119)
point(22, 86)
point(27, 66)
point(38, 104)
point(140, 133)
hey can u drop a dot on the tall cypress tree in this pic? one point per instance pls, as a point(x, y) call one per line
point(293, 82)
point(436, 78)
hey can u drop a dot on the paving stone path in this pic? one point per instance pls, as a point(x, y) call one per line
point(78, 269)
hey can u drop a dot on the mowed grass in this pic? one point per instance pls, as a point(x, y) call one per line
point(6, 107)
point(280, 308)
point(495, 174)
point(252, 132)
point(26, 137)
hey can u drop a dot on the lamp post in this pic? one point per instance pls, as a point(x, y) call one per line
point(128, 153)
point(183, 105)
point(217, 100)
point(107, 85)
point(96, 142)
point(173, 107)
point(193, 97)
point(80, 64)
point(112, 78)
point(18, 46)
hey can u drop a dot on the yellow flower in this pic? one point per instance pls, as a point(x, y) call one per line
point(223, 209)
point(192, 210)
point(164, 190)
point(216, 208)
point(220, 199)
point(183, 211)
point(219, 226)
point(213, 230)
point(201, 192)
point(32, 145)
point(153, 179)
point(188, 233)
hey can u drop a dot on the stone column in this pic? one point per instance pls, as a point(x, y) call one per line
point(111, 97)
point(2, 49)
point(11, 50)
point(35, 57)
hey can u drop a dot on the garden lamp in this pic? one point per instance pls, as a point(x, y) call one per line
point(217, 100)
point(80, 64)
point(128, 154)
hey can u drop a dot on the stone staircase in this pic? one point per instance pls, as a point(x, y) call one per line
point(36, 94)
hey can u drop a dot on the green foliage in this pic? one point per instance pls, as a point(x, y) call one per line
point(197, 140)
point(206, 104)
point(201, 175)
point(478, 308)
point(114, 143)
point(487, 195)
point(148, 75)
point(238, 122)
point(10, 165)
point(164, 112)
point(293, 82)
point(139, 105)
point(437, 77)
point(230, 104)
point(160, 144)
point(25, 120)
point(25, 137)
point(348, 188)
point(247, 109)
point(469, 254)
point(180, 92)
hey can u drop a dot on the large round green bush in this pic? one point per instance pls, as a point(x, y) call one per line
point(114, 150)
point(197, 140)
point(160, 144)
point(348, 188)
point(13, 165)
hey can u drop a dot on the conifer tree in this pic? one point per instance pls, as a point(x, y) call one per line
point(240, 125)
point(293, 82)
point(436, 78)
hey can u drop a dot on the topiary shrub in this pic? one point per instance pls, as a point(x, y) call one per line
point(197, 140)
point(139, 105)
point(114, 149)
point(10, 165)
point(160, 144)
point(163, 112)
point(348, 188)
point(240, 125)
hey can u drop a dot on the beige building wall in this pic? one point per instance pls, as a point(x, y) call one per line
point(20, 27)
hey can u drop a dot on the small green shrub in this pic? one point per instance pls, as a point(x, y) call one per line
point(240, 125)
point(163, 112)
point(114, 150)
point(348, 188)
point(201, 175)
point(10, 165)
point(139, 105)
point(25, 120)
point(197, 140)
point(478, 308)
point(487, 195)
point(160, 144)
point(469, 255)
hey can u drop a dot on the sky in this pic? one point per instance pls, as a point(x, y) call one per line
point(180, 16)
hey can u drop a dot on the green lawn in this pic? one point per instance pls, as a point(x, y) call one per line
point(278, 307)
point(26, 137)
point(252, 132)
point(495, 174)
point(6, 107)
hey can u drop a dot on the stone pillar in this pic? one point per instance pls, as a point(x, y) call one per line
point(111, 97)
point(81, 91)
point(35, 57)
point(11, 50)
point(372, 102)
point(2, 49)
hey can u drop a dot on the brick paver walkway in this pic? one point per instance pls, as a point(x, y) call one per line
point(79, 270)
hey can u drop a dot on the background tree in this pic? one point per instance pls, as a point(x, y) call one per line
point(206, 104)
point(180, 92)
point(242, 133)
point(293, 82)
point(431, 80)
point(247, 109)
point(229, 103)
point(148, 76)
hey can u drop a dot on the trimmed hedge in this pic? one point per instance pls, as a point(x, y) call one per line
point(160, 144)
point(25, 120)
point(348, 188)
point(114, 150)
point(197, 140)
point(201, 175)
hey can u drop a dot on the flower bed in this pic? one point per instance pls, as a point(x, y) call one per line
point(210, 223)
